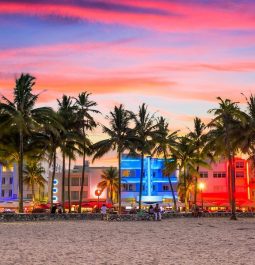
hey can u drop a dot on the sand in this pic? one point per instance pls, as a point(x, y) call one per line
point(176, 241)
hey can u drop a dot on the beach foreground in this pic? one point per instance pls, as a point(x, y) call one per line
point(175, 241)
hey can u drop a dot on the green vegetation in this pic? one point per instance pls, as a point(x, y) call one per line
point(29, 134)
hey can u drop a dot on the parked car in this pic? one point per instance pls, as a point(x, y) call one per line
point(39, 210)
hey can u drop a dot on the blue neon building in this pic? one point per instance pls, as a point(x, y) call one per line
point(156, 186)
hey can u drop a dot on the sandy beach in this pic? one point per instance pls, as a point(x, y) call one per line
point(176, 241)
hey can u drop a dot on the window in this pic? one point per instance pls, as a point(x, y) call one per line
point(85, 194)
point(219, 174)
point(2, 193)
point(165, 187)
point(75, 182)
point(154, 188)
point(55, 190)
point(130, 187)
point(75, 195)
point(240, 164)
point(11, 180)
point(218, 188)
point(55, 182)
point(29, 196)
point(125, 173)
point(86, 181)
point(10, 193)
point(4, 169)
point(3, 181)
point(239, 174)
point(203, 174)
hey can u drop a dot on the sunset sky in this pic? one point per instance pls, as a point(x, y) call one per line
point(177, 56)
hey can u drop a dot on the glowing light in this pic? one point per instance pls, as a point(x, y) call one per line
point(201, 185)
point(55, 182)
point(55, 190)
point(248, 181)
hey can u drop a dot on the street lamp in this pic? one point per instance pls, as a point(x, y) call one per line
point(98, 193)
point(201, 187)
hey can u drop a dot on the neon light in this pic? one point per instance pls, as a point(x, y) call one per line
point(55, 182)
point(248, 181)
point(149, 175)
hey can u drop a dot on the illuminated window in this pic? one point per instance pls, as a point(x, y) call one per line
point(219, 174)
point(240, 164)
point(239, 174)
point(4, 169)
point(203, 174)
point(125, 173)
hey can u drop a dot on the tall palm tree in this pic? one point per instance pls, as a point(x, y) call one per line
point(65, 110)
point(145, 133)
point(86, 108)
point(33, 173)
point(198, 138)
point(165, 141)
point(120, 138)
point(225, 129)
point(20, 115)
point(184, 154)
point(109, 182)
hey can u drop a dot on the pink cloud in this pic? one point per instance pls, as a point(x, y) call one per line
point(181, 16)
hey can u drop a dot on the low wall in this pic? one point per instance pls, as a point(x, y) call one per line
point(8, 217)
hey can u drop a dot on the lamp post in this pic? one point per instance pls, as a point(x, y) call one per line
point(98, 193)
point(201, 187)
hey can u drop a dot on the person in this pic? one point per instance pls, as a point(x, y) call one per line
point(59, 209)
point(103, 211)
point(151, 210)
point(53, 209)
point(157, 213)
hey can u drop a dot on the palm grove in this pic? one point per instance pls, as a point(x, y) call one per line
point(29, 135)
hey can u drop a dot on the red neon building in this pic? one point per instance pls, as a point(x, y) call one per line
point(213, 192)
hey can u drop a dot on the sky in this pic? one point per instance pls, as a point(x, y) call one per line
point(176, 56)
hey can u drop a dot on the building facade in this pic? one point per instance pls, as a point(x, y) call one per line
point(92, 178)
point(156, 187)
point(215, 183)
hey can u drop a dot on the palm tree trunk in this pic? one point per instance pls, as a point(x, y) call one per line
point(185, 188)
point(69, 182)
point(172, 191)
point(39, 188)
point(63, 180)
point(53, 177)
point(171, 185)
point(195, 191)
point(233, 188)
point(20, 162)
point(111, 189)
point(119, 160)
point(82, 179)
point(33, 192)
point(141, 182)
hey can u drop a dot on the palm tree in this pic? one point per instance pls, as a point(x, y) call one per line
point(226, 127)
point(247, 138)
point(165, 141)
point(69, 136)
point(198, 138)
point(34, 176)
point(20, 115)
point(109, 182)
point(87, 123)
point(145, 133)
point(120, 138)
point(184, 154)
